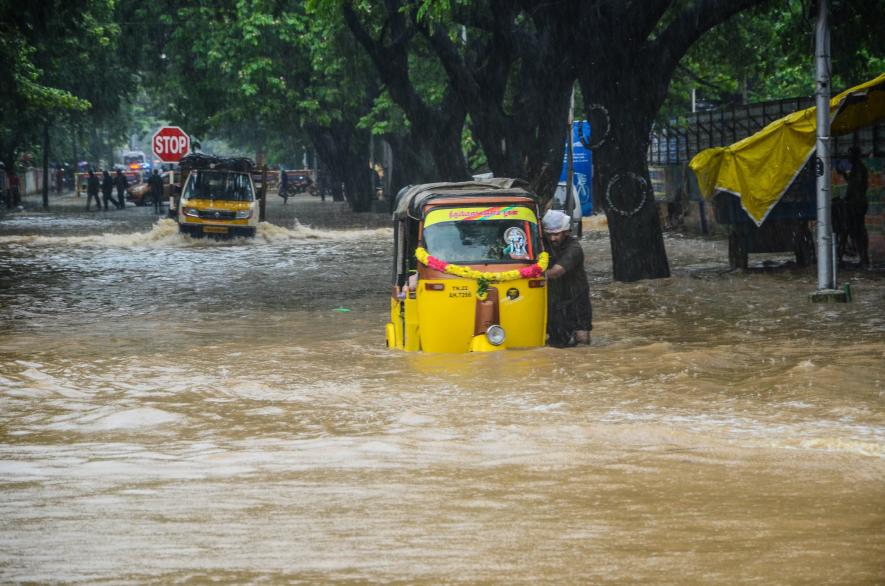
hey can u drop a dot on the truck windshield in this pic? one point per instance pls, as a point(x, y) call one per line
point(224, 185)
point(485, 241)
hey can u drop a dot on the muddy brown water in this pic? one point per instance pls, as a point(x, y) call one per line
point(176, 410)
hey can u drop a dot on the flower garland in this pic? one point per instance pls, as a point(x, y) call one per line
point(483, 278)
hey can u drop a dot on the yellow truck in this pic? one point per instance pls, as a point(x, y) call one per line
point(218, 198)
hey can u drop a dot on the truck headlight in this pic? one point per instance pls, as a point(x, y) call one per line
point(244, 214)
point(191, 212)
point(495, 335)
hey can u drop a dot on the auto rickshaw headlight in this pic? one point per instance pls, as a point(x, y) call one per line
point(244, 214)
point(495, 335)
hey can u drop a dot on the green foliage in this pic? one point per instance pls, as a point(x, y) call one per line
point(385, 117)
point(476, 157)
point(60, 65)
point(253, 70)
point(767, 53)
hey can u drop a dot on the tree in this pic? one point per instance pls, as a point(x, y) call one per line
point(630, 56)
point(29, 98)
point(269, 73)
point(60, 66)
point(517, 65)
point(765, 53)
point(435, 121)
point(512, 65)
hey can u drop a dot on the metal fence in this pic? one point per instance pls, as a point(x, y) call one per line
point(677, 143)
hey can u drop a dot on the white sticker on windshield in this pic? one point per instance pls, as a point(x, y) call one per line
point(516, 243)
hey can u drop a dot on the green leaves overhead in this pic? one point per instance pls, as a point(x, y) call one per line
point(766, 53)
point(59, 63)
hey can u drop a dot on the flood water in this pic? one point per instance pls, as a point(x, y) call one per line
point(176, 410)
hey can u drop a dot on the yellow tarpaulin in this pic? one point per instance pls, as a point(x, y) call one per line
point(760, 168)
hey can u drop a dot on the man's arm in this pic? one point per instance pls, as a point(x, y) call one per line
point(571, 258)
point(555, 272)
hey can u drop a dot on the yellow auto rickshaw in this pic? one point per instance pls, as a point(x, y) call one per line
point(469, 266)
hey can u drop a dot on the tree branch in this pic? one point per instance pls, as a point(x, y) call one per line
point(390, 61)
point(688, 26)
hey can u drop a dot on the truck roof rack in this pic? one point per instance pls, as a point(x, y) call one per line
point(204, 161)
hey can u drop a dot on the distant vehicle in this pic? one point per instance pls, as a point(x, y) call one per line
point(218, 197)
point(135, 161)
point(140, 193)
point(299, 181)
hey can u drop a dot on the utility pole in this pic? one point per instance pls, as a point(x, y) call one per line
point(46, 165)
point(826, 270)
point(570, 202)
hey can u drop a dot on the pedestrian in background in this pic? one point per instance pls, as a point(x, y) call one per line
point(155, 184)
point(107, 189)
point(284, 186)
point(92, 186)
point(15, 194)
point(856, 205)
point(4, 191)
point(122, 184)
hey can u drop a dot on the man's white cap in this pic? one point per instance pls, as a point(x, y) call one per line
point(556, 221)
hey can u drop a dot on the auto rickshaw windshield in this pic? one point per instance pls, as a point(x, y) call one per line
point(482, 235)
point(220, 185)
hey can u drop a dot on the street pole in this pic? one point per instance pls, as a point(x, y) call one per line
point(570, 157)
point(825, 277)
point(826, 273)
point(46, 165)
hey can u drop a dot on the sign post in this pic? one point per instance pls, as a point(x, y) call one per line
point(826, 258)
point(170, 144)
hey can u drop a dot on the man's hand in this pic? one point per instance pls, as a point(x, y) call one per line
point(555, 272)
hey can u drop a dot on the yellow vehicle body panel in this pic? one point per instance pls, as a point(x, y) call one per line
point(206, 205)
point(523, 317)
point(447, 317)
point(474, 214)
point(395, 327)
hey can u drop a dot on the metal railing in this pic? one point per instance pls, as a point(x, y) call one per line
point(678, 142)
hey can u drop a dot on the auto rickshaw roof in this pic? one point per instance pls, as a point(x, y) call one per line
point(411, 200)
point(204, 161)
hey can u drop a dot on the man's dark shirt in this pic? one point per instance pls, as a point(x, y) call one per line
point(568, 297)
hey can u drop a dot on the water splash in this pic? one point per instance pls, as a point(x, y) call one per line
point(164, 234)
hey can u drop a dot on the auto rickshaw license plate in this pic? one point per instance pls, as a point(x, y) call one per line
point(215, 229)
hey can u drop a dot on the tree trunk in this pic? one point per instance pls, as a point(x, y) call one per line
point(411, 163)
point(436, 127)
point(621, 183)
point(444, 142)
point(345, 151)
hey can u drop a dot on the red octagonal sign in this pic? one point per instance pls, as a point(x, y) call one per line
point(170, 144)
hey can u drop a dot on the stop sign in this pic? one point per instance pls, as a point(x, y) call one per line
point(170, 144)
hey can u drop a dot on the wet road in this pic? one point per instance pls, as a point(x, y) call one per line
point(176, 410)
